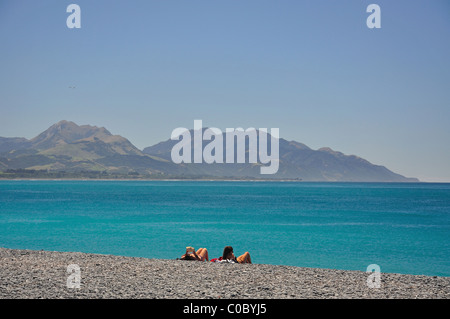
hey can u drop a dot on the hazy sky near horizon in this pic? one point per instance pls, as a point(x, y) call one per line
point(313, 69)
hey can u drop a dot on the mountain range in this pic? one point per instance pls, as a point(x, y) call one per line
point(68, 147)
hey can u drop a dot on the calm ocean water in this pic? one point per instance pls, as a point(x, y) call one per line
point(404, 228)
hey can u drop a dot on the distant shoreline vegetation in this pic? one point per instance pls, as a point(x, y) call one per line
point(42, 174)
point(10, 174)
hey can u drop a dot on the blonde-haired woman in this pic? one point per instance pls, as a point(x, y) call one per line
point(200, 255)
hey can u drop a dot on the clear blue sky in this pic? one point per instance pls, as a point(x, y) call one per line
point(310, 68)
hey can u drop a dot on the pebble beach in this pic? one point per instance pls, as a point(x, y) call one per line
point(43, 274)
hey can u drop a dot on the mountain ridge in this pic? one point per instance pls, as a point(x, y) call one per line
point(66, 146)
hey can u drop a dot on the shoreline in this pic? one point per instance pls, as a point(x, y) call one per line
point(163, 180)
point(209, 180)
point(43, 274)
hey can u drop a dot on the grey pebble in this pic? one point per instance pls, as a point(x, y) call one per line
point(43, 274)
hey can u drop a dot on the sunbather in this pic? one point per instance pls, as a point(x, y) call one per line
point(201, 254)
point(228, 255)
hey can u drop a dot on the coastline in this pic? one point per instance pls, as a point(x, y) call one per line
point(163, 180)
point(43, 274)
point(209, 180)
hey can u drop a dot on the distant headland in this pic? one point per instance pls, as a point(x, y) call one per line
point(70, 151)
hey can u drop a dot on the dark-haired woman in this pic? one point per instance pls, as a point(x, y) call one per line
point(228, 255)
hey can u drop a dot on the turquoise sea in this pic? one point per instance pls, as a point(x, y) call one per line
point(403, 228)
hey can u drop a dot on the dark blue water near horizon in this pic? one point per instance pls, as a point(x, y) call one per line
point(402, 227)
